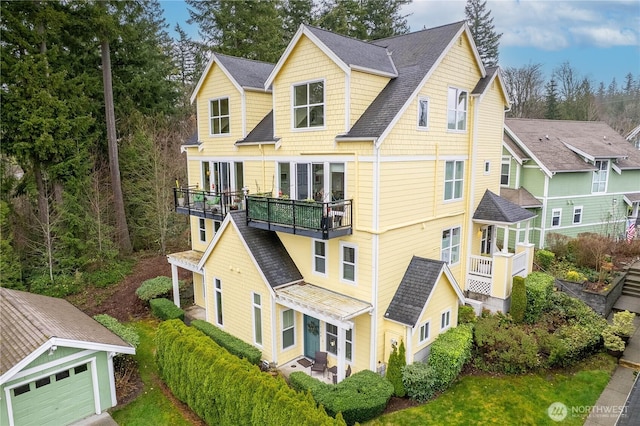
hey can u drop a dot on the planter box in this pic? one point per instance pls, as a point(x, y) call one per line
point(602, 302)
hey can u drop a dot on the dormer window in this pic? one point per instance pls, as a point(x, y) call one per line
point(308, 105)
point(219, 116)
point(457, 109)
point(599, 182)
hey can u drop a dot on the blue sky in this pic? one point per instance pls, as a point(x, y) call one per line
point(600, 39)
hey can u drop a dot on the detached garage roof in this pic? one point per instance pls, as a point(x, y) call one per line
point(32, 323)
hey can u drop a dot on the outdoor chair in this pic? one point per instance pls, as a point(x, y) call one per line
point(320, 363)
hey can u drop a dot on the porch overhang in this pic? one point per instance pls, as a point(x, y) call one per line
point(186, 260)
point(326, 305)
point(632, 198)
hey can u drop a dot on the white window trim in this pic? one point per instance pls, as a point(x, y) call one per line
point(253, 317)
point(505, 162)
point(442, 316)
point(426, 324)
point(352, 341)
point(597, 173)
point(292, 106)
point(355, 263)
point(218, 293)
point(487, 167)
point(453, 182)
point(218, 135)
point(553, 212)
point(418, 126)
point(202, 230)
point(466, 111)
point(573, 217)
point(292, 327)
point(313, 257)
point(459, 244)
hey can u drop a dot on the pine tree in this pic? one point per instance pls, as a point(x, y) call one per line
point(364, 19)
point(552, 111)
point(394, 371)
point(483, 31)
point(294, 13)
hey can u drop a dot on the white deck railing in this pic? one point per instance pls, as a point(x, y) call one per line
point(519, 264)
point(481, 265)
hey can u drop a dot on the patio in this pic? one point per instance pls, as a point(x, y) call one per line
point(298, 364)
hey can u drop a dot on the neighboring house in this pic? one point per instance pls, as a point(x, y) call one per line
point(370, 171)
point(634, 137)
point(576, 176)
point(56, 363)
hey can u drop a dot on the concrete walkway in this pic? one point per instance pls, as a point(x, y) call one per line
point(103, 419)
point(611, 405)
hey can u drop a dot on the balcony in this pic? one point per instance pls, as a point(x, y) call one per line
point(207, 204)
point(492, 276)
point(308, 218)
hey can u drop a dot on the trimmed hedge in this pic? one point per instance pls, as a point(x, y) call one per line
point(449, 353)
point(225, 390)
point(164, 309)
point(544, 258)
point(518, 300)
point(231, 343)
point(539, 287)
point(360, 397)
point(154, 287)
point(125, 332)
point(466, 315)
point(419, 381)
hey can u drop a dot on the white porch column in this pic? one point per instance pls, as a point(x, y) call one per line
point(526, 232)
point(176, 289)
point(505, 240)
point(342, 341)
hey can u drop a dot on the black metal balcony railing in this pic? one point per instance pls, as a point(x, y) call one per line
point(309, 218)
point(207, 204)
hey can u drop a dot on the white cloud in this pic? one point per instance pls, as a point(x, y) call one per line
point(543, 24)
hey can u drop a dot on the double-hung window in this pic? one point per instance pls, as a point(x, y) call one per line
point(577, 215)
point(332, 341)
point(556, 216)
point(257, 319)
point(457, 109)
point(504, 172)
point(450, 251)
point(423, 113)
point(202, 230)
point(599, 183)
point(445, 319)
point(320, 257)
point(308, 105)
point(219, 116)
point(348, 255)
point(288, 328)
point(453, 178)
point(218, 288)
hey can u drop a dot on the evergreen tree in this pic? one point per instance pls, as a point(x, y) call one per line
point(294, 13)
point(552, 112)
point(364, 19)
point(483, 31)
point(394, 371)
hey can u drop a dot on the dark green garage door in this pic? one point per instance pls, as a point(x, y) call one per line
point(58, 399)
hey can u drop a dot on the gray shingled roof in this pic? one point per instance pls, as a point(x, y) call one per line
point(413, 55)
point(270, 254)
point(484, 82)
point(193, 140)
point(263, 132)
point(248, 73)
point(356, 52)
point(514, 147)
point(521, 197)
point(28, 321)
point(551, 141)
point(413, 292)
point(494, 208)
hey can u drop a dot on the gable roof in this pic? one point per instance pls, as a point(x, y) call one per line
point(245, 74)
point(415, 56)
point(568, 146)
point(265, 248)
point(493, 208)
point(415, 289)
point(520, 197)
point(31, 323)
point(262, 133)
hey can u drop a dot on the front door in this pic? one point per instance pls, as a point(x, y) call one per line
point(486, 245)
point(311, 336)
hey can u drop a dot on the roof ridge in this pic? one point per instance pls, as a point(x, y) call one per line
point(242, 58)
point(419, 31)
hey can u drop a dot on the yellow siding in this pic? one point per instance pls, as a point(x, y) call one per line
point(198, 290)
point(364, 89)
point(239, 277)
point(257, 106)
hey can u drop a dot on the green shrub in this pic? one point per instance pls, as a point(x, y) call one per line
point(61, 286)
point(539, 287)
point(231, 343)
point(449, 353)
point(466, 315)
point(154, 287)
point(225, 390)
point(612, 341)
point(559, 244)
point(518, 300)
point(575, 276)
point(108, 274)
point(623, 323)
point(419, 380)
point(394, 370)
point(164, 309)
point(544, 259)
point(125, 332)
point(359, 397)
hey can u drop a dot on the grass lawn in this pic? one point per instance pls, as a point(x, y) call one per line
point(152, 407)
point(511, 400)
